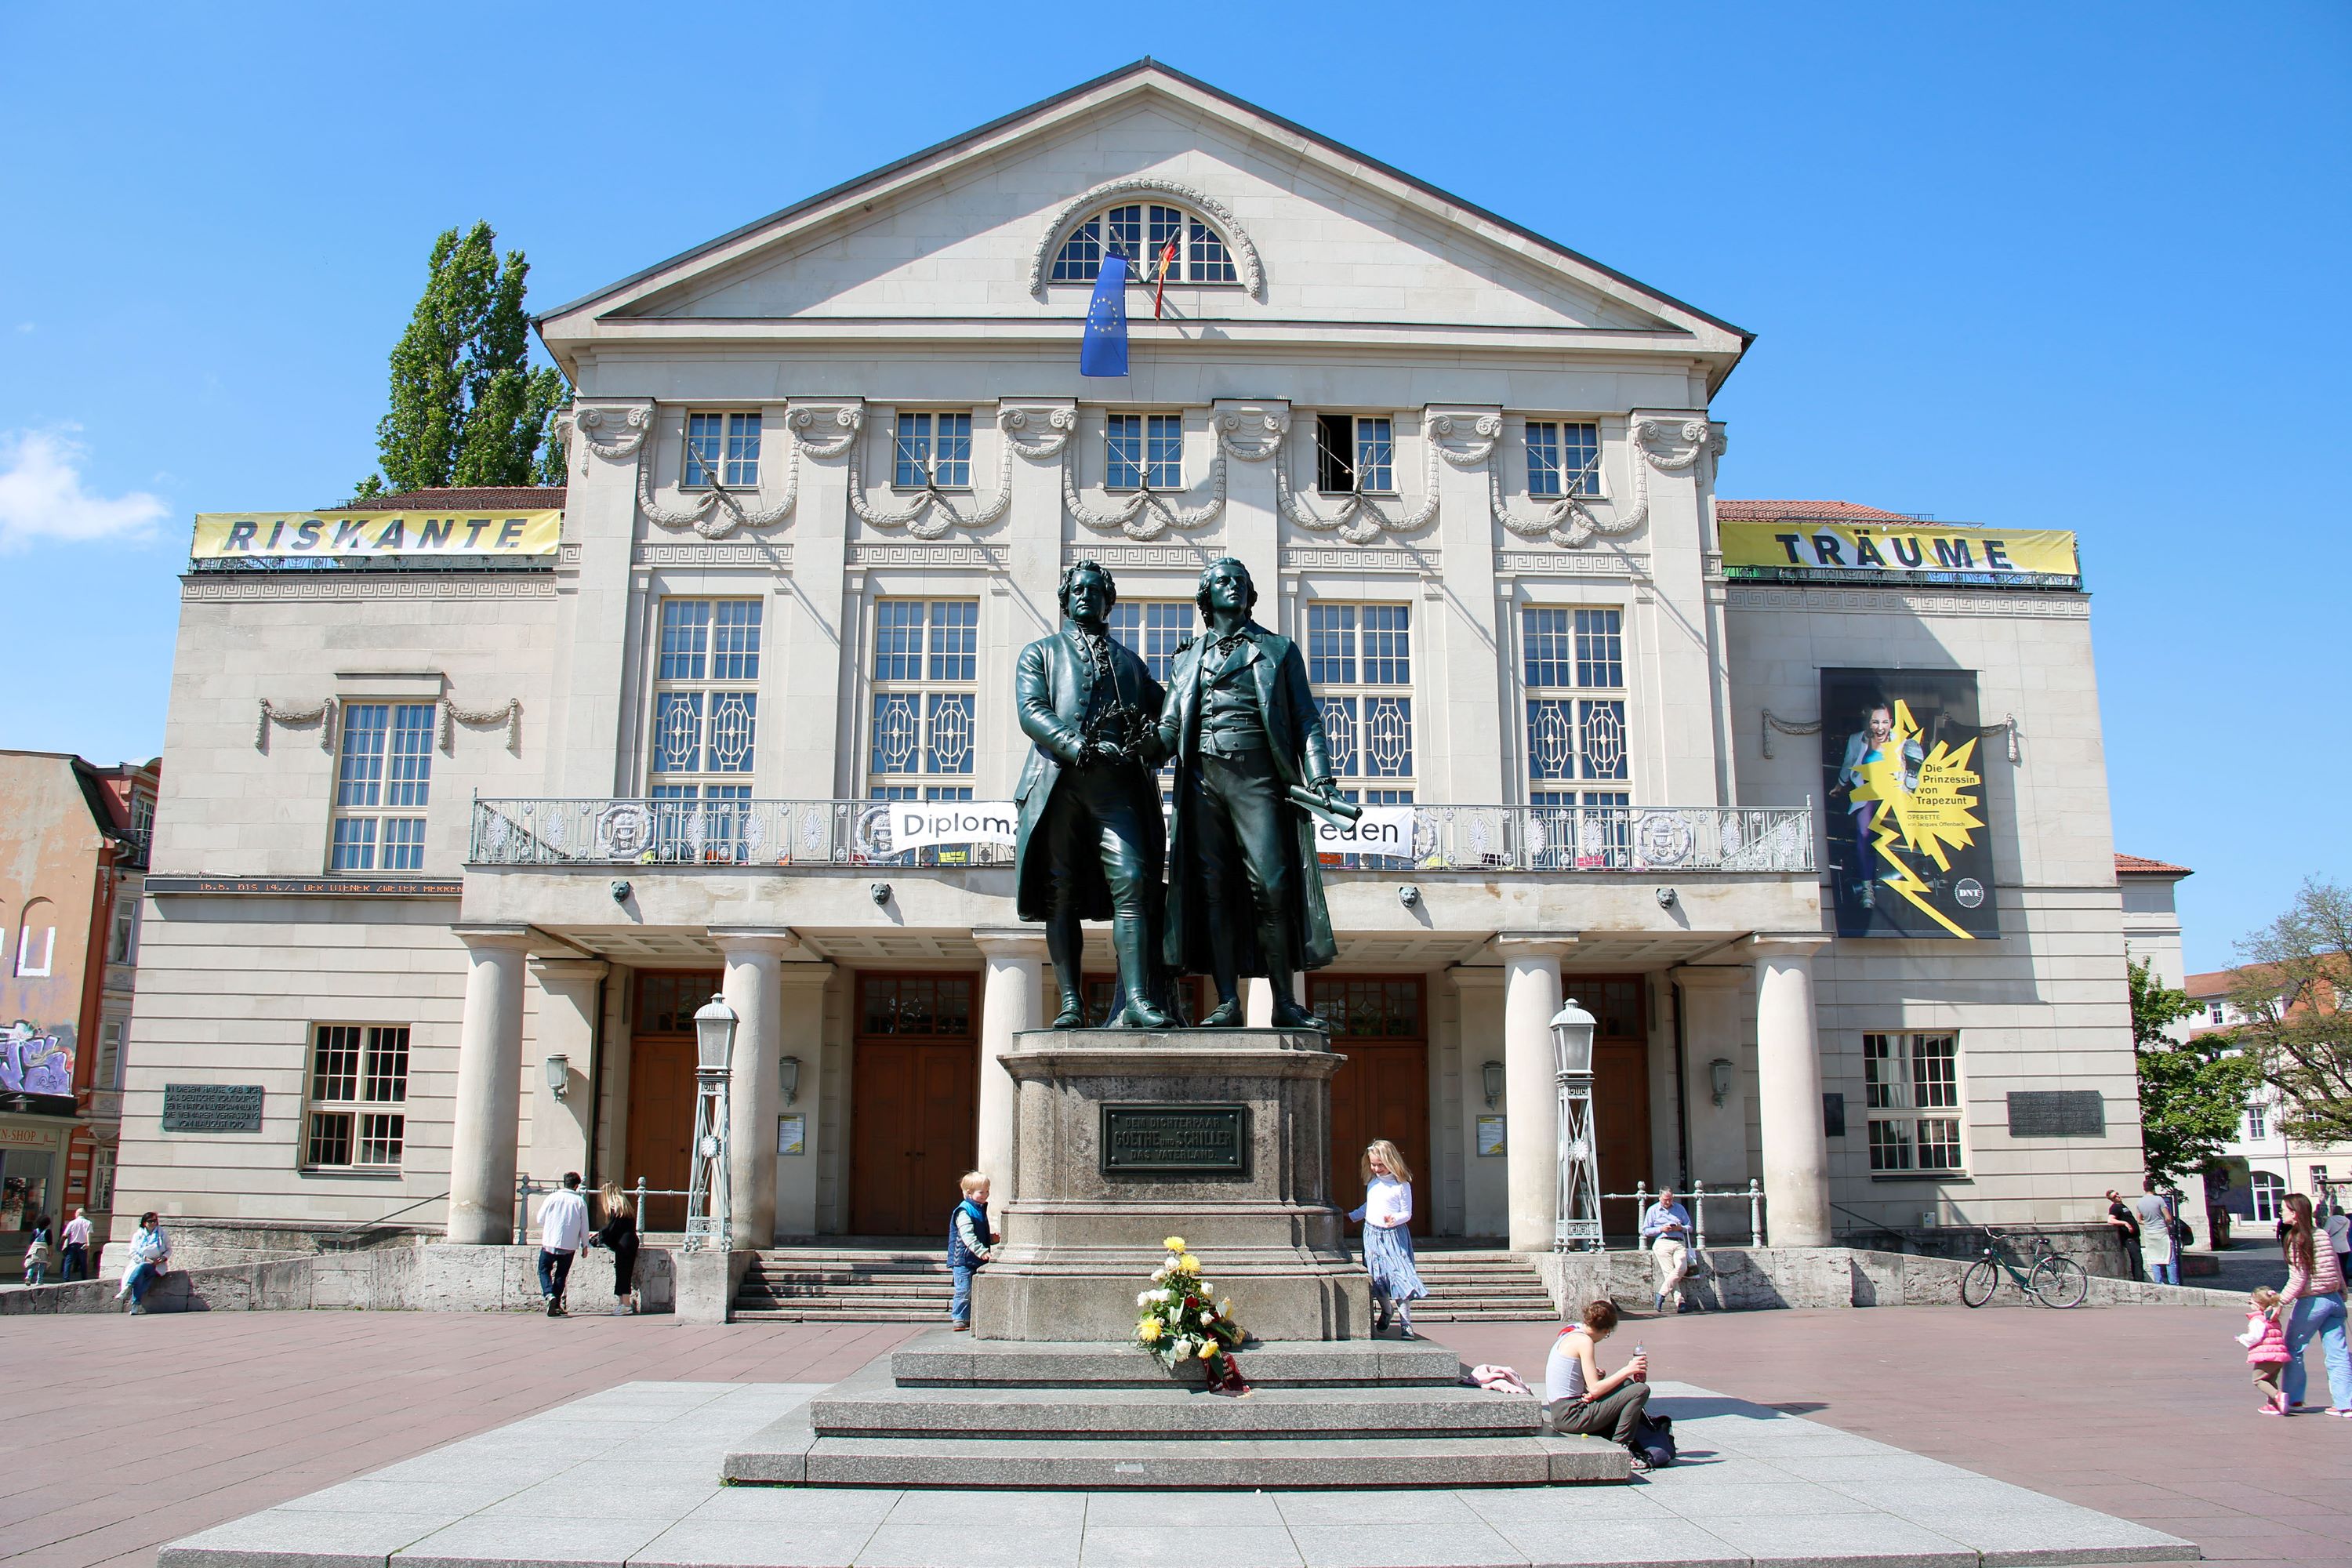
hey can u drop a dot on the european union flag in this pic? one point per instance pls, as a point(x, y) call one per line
point(1104, 353)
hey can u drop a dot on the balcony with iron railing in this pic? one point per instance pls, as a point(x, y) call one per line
point(1545, 839)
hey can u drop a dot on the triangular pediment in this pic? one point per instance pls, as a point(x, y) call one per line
point(964, 232)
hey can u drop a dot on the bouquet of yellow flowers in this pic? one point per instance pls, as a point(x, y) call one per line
point(1183, 1321)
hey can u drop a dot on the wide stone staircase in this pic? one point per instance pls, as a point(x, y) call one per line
point(906, 1280)
point(1479, 1284)
point(884, 1280)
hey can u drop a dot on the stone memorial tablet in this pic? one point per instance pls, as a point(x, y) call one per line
point(2057, 1114)
point(1175, 1140)
point(212, 1107)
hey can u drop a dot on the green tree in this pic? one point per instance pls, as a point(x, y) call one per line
point(2290, 991)
point(467, 407)
point(2190, 1092)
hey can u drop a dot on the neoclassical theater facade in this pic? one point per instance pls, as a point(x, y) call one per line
point(459, 830)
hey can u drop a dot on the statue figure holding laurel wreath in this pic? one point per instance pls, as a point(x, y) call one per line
point(1252, 770)
point(1090, 844)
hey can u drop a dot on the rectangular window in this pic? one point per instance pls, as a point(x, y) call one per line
point(926, 697)
point(101, 1180)
point(2257, 1122)
point(934, 452)
point(1905, 1076)
point(724, 447)
point(1359, 662)
point(107, 1072)
point(1144, 451)
point(1563, 458)
point(1152, 628)
point(705, 727)
point(1355, 454)
point(357, 1072)
point(1573, 664)
point(384, 776)
point(121, 939)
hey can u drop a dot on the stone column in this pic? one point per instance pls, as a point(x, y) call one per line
point(1788, 1093)
point(565, 1026)
point(490, 1087)
point(1711, 1028)
point(1009, 1005)
point(1530, 1090)
point(752, 989)
point(802, 985)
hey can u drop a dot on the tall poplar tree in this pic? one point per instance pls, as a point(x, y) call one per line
point(467, 407)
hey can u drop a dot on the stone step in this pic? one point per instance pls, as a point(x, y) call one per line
point(945, 1360)
point(1171, 1412)
point(790, 1453)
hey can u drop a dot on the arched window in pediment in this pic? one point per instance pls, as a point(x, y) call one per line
point(1144, 232)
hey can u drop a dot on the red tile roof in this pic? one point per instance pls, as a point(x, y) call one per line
point(1773, 510)
point(2134, 866)
point(527, 498)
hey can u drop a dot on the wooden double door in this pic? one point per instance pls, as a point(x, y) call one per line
point(661, 1088)
point(1380, 1023)
point(914, 1105)
point(1620, 1087)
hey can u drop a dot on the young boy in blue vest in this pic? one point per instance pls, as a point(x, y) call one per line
point(969, 1240)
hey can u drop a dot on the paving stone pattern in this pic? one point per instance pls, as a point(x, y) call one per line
point(629, 1475)
point(126, 1432)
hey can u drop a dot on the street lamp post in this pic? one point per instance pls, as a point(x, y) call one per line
point(707, 1189)
point(1578, 1224)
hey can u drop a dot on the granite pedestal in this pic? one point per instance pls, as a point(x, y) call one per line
point(1123, 1137)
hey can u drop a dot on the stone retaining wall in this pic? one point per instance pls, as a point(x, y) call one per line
point(442, 1278)
point(1745, 1278)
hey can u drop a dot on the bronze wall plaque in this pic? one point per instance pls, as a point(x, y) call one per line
point(1175, 1140)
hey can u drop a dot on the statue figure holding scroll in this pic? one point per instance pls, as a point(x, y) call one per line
point(1246, 895)
point(1090, 844)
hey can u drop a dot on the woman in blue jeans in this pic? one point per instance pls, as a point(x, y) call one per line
point(151, 1257)
point(2314, 1296)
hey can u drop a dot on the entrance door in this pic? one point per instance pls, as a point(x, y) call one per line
point(1621, 1089)
point(914, 1099)
point(661, 1089)
point(1382, 1090)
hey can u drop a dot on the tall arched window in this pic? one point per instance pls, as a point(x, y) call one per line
point(1142, 232)
point(2268, 1190)
point(37, 940)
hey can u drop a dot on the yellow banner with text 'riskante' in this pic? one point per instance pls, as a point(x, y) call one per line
point(1800, 549)
point(257, 535)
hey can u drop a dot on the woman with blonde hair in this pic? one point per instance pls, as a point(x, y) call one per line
point(1387, 1214)
point(620, 1233)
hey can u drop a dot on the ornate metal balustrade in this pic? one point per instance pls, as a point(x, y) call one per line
point(1648, 839)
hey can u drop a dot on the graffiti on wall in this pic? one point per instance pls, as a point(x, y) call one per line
point(36, 1067)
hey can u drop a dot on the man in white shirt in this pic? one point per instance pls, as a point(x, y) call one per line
point(1665, 1231)
point(562, 1231)
point(77, 1241)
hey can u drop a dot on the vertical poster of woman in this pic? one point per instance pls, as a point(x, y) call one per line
point(1902, 752)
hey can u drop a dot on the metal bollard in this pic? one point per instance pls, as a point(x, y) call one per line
point(1699, 1214)
point(1755, 1212)
point(523, 1208)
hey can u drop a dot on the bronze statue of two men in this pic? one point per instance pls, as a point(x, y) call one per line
point(1238, 892)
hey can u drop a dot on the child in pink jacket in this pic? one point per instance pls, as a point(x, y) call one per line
point(2265, 1344)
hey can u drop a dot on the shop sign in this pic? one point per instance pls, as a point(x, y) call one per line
point(27, 1137)
point(360, 535)
point(1807, 550)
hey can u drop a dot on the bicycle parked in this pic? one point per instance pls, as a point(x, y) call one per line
point(2053, 1280)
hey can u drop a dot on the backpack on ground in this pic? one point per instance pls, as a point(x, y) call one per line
point(1653, 1440)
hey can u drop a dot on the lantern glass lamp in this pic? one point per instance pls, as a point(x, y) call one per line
point(1571, 1040)
point(559, 1073)
point(714, 1034)
point(1491, 1074)
point(788, 1078)
point(1718, 1075)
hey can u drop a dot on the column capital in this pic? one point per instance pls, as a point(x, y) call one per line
point(808, 973)
point(488, 937)
point(559, 970)
point(1784, 944)
point(752, 942)
point(1475, 977)
point(1709, 976)
point(1011, 941)
point(1525, 944)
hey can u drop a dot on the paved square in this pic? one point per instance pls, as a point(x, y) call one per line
point(129, 1433)
point(629, 1475)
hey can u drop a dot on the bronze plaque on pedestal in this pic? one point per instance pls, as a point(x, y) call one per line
point(1172, 1140)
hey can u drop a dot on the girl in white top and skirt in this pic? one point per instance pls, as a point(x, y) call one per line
point(1387, 1214)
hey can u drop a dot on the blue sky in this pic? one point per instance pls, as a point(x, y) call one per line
point(2049, 267)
